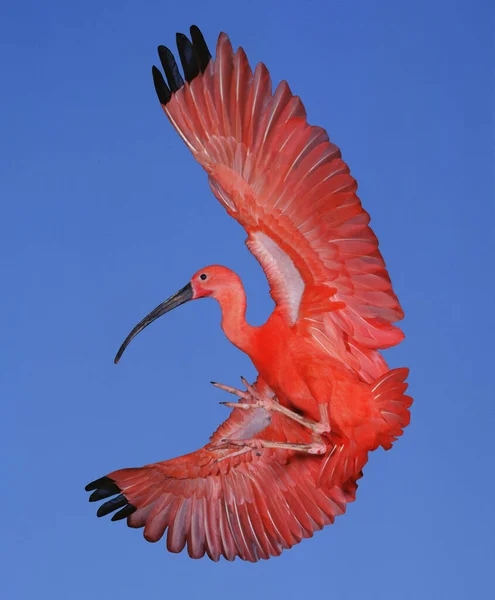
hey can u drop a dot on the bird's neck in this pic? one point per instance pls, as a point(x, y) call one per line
point(236, 328)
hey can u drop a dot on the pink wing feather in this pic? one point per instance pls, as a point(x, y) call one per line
point(286, 183)
point(253, 506)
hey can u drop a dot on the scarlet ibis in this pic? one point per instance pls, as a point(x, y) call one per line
point(286, 461)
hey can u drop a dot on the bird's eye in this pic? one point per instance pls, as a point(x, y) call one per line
point(203, 276)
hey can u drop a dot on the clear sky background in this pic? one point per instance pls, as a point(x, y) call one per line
point(104, 213)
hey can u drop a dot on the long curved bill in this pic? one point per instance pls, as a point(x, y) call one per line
point(183, 295)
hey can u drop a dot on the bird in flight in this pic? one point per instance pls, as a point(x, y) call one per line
point(287, 460)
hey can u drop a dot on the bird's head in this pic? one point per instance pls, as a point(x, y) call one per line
point(210, 282)
point(213, 281)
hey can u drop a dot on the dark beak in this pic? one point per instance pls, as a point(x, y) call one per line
point(183, 295)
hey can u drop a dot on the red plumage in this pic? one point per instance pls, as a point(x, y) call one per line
point(287, 460)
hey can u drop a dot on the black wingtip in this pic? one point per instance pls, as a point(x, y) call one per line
point(102, 482)
point(194, 57)
point(124, 512)
point(200, 47)
point(164, 95)
point(102, 493)
point(113, 504)
point(174, 78)
point(187, 56)
point(104, 488)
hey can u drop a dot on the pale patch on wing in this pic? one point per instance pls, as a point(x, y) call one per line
point(257, 420)
point(286, 283)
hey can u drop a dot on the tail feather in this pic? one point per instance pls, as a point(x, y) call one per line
point(393, 404)
point(345, 462)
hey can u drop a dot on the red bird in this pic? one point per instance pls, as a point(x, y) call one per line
point(286, 461)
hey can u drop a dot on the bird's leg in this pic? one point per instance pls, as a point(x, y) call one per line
point(324, 418)
point(270, 405)
point(254, 398)
point(316, 447)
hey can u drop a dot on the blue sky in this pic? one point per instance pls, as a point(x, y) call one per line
point(105, 213)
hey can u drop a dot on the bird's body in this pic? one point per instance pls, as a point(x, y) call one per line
point(287, 460)
point(302, 376)
point(316, 378)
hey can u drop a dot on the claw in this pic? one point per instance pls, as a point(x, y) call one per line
point(261, 400)
point(237, 405)
point(249, 387)
point(231, 390)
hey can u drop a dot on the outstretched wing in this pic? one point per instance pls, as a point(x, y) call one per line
point(252, 505)
point(286, 183)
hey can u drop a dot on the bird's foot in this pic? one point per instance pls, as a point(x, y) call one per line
point(252, 398)
point(240, 447)
point(230, 455)
point(317, 446)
